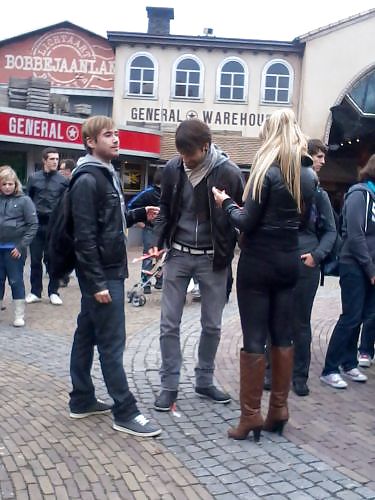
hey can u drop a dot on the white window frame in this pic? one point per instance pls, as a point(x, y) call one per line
point(201, 78)
point(156, 76)
point(246, 80)
point(291, 80)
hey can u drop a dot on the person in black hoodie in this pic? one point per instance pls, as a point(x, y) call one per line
point(100, 248)
point(268, 267)
point(357, 281)
point(45, 189)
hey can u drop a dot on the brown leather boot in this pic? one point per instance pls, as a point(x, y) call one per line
point(282, 367)
point(252, 368)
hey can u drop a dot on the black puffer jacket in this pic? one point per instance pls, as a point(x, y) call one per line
point(272, 222)
point(99, 240)
point(226, 176)
point(45, 189)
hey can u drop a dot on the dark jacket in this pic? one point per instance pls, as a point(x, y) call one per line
point(99, 239)
point(148, 197)
point(358, 228)
point(272, 222)
point(319, 234)
point(45, 189)
point(226, 176)
point(18, 220)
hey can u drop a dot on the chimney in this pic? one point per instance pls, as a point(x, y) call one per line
point(159, 20)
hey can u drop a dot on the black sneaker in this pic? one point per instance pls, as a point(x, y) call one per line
point(137, 426)
point(300, 388)
point(214, 394)
point(158, 285)
point(98, 408)
point(165, 400)
point(147, 289)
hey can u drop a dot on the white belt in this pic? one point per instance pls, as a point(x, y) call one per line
point(192, 251)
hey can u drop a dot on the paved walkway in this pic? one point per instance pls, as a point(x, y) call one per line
point(327, 451)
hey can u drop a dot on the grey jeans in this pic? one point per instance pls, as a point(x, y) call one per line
point(179, 268)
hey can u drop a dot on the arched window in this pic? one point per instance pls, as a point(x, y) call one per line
point(141, 76)
point(187, 78)
point(232, 80)
point(277, 82)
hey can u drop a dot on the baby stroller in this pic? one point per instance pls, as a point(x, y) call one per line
point(136, 295)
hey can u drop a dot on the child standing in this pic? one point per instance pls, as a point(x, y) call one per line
point(18, 226)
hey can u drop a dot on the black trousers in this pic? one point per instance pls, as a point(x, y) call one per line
point(39, 254)
point(304, 295)
point(265, 282)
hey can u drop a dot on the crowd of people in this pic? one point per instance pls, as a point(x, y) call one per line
point(198, 209)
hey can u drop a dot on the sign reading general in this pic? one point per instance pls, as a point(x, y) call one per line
point(51, 130)
point(68, 58)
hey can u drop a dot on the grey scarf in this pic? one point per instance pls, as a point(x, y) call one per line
point(195, 175)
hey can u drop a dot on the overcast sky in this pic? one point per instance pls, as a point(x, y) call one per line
point(260, 19)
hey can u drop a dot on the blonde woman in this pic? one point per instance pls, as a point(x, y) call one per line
point(18, 226)
point(268, 267)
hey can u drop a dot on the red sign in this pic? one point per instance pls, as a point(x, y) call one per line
point(49, 130)
point(68, 58)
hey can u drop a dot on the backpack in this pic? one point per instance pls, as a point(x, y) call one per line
point(60, 232)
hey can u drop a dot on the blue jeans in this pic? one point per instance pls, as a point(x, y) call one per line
point(179, 268)
point(366, 345)
point(102, 325)
point(358, 306)
point(13, 270)
point(38, 254)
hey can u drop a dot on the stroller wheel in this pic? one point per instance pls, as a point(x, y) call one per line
point(130, 296)
point(138, 300)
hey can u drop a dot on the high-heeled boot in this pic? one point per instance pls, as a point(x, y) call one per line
point(282, 366)
point(252, 368)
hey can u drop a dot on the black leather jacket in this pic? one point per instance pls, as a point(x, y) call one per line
point(98, 232)
point(45, 189)
point(272, 222)
point(224, 176)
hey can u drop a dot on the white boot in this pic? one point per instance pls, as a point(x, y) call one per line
point(19, 312)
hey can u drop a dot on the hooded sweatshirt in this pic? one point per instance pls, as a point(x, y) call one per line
point(358, 228)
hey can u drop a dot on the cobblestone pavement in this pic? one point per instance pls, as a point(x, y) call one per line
point(327, 450)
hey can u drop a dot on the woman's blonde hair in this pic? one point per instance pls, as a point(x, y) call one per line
point(7, 173)
point(284, 144)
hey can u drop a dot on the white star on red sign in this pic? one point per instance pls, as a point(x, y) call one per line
point(72, 133)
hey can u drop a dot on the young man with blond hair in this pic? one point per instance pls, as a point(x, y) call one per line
point(100, 223)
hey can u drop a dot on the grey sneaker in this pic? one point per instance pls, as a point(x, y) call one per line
point(98, 408)
point(137, 426)
point(213, 393)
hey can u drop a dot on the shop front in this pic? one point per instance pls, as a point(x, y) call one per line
point(24, 134)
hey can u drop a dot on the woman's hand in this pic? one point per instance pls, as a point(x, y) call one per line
point(15, 254)
point(308, 260)
point(219, 196)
